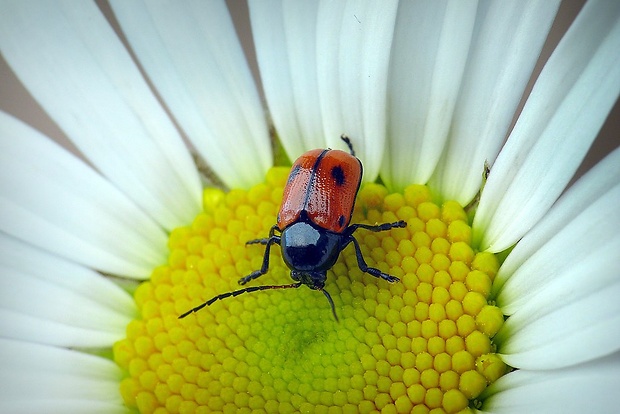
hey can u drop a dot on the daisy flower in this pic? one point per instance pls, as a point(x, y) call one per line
point(508, 299)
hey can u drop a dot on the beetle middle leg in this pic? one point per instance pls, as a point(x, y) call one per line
point(265, 267)
point(365, 268)
point(377, 227)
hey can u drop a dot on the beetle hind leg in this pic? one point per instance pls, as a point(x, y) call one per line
point(265, 267)
point(367, 269)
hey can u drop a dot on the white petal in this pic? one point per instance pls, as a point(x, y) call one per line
point(49, 300)
point(54, 201)
point(32, 374)
point(33, 358)
point(20, 385)
point(74, 65)
point(286, 49)
point(581, 330)
point(353, 51)
point(563, 114)
point(592, 186)
point(63, 407)
point(507, 41)
point(571, 277)
point(579, 259)
point(431, 43)
point(35, 329)
point(191, 53)
point(588, 388)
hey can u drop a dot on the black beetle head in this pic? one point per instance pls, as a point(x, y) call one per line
point(315, 281)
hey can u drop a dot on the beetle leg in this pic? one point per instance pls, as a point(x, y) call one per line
point(257, 241)
point(265, 267)
point(347, 141)
point(266, 240)
point(365, 268)
point(378, 227)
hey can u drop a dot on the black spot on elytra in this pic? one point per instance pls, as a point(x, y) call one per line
point(341, 221)
point(338, 175)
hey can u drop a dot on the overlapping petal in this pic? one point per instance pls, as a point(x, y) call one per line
point(584, 329)
point(52, 200)
point(560, 289)
point(429, 53)
point(66, 304)
point(572, 278)
point(561, 118)
point(601, 179)
point(191, 53)
point(39, 378)
point(587, 388)
point(565, 273)
point(74, 65)
point(353, 52)
point(286, 47)
point(507, 40)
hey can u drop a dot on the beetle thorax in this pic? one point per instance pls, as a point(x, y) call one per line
point(306, 248)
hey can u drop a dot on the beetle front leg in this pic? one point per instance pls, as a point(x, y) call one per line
point(265, 267)
point(272, 232)
point(365, 268)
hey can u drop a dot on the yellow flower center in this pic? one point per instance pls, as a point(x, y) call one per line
point(421, 344)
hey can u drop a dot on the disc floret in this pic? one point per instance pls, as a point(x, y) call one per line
point(422, 344)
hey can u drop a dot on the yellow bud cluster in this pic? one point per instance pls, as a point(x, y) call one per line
point(421, 345)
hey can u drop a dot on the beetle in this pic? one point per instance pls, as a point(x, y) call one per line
point(313, 223)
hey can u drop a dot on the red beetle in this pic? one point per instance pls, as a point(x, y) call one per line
point(313, 222)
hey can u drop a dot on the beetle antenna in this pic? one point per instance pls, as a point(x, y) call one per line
point(348, 142)
point(246, 290)
point(331, 303)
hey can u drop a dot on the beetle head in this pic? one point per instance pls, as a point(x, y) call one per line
point(315, 281)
